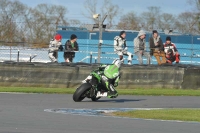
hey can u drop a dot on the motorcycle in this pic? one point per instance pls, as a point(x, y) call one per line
point(92, 88)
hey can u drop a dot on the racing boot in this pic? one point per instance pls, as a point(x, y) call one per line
point(112, 93)
point(129, 62)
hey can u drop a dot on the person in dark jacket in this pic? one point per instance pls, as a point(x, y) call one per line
point(71, 46)
point(157, 48)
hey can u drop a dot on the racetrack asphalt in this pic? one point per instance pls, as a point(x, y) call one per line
point(24, 113)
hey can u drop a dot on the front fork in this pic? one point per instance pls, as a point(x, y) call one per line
point(93, 91)
point(94, 81)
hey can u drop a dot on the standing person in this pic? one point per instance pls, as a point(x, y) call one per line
point(71, 46)
point(54, 45)
point(120, 47)
point(171, 51)
point(140, 47)
point(157, 48)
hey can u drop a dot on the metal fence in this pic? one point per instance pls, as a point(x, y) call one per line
point(88, 53)
point(187, 45)
point(23, 54)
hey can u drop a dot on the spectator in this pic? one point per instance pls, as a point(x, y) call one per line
point(140, 47)
point(171, 51)
point(120, 47)
point(54, 45)
point(157, 48)
point(71, 46)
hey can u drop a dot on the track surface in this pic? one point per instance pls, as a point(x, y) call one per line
point(24, 113)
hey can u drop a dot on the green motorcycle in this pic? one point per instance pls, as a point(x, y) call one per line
point(100, 83)
point(92, 89)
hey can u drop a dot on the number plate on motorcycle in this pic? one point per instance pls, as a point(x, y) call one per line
point(101, 94)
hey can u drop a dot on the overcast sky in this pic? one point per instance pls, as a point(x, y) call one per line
point(75, 7)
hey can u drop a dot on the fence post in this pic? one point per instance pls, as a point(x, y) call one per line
point(90, 57)
point(95, 60)
point(10, 54)
point(192, 50)
point(18, 56)
point(30, 58)
point(101, 20)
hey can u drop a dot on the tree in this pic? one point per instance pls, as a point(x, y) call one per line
point(108, 8)
point(10, 13)
point(91, 8)
point(196, 10)
point(111, 11)
point(129, 21)
point(195, 4)
point(186, 22)
point(43, 20)
point(74, 22)
point(166, 21)
point(150, 17)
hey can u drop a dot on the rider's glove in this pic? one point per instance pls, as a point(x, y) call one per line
point(115, 84)
point(125, 49)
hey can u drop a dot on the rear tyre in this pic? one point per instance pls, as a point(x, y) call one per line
point(81, 92)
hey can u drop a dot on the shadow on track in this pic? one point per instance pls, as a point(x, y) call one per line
point(117, 100)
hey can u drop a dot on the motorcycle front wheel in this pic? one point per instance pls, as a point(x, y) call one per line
point(81, 92)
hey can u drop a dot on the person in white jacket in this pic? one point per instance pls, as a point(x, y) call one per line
point(120, 47)
point(54, 45)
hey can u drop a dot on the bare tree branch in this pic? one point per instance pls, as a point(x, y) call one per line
point(150, 18)
point(129, 21)
point(91, 8)
point(108, 8)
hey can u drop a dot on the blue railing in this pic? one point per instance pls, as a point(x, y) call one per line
point(88, 52)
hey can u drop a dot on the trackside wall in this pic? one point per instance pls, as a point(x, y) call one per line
point(70, 76)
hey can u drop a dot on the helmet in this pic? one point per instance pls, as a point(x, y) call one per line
point(117, 62)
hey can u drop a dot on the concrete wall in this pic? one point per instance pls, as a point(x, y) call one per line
point(65, 75)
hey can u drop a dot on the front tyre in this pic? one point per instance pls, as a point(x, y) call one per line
point(81, 92)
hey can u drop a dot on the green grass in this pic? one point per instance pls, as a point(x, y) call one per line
point(159, 92)
point(153, 92)
point(163, 114)
point(37, 90)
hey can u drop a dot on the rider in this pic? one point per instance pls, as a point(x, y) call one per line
point(120, 47)
point(109, 77)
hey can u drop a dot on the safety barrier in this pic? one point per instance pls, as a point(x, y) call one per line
point(70, 75)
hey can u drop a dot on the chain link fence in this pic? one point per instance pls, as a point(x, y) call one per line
point(18, 44)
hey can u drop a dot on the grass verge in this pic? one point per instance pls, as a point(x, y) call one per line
point(37, 90)
point(163, 114)
point(159, 92)
point(153, 92)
